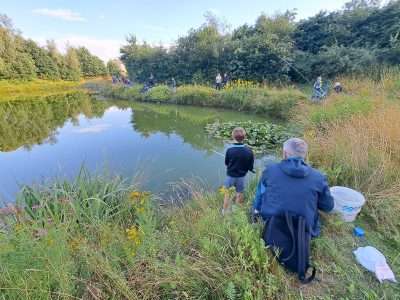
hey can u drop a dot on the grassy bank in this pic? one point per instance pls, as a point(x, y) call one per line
point(100, 238)
point(279, 103)
point(14, 90)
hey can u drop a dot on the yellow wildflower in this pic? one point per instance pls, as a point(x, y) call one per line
point(18, 227)
point(134, 235)
point(135, 195)
point(74, 245)
point(223, 190)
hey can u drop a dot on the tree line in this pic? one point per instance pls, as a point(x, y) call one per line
point(24, 59)
point(361, 37)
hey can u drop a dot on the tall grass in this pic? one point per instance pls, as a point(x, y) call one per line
point(67, 236)
point(279, 103)
point(98, 238)
point(360, 146)
point(364, 153)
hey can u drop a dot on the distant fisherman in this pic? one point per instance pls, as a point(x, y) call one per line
point(151, 80)
point(225, 80)
point(218, 81)
point(319, 90)
point(338, 87)
point(318, 84)
point(173, 84)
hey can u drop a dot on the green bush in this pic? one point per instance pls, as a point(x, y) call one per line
point(195, 95)
point(133, 93)
point(160, 93)
point(121, 92)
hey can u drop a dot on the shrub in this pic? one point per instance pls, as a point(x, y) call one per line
point(195, 95)
point(121, 92)
point(134, 93)
point(159, 93)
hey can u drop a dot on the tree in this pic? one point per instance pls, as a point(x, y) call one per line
point(46, 67)
point(91, 66)
point(72, 69)
point(143, 60)
point(362, 4)
point(113, 68)
point(276, 48)
point(15, 62)
point(264, 51)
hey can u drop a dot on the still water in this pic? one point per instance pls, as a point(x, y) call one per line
point(153, 145)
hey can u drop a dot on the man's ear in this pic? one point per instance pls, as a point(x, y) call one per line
point(284, 154)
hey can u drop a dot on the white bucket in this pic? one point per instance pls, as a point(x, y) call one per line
point(348, 202)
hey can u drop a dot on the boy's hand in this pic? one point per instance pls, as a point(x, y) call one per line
point(255, 216)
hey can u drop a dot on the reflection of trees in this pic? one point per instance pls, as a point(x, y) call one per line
point(189, 124)
point(35, 121)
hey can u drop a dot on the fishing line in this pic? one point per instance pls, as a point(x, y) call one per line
point(294, 68)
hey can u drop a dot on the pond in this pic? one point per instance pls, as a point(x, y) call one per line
point(152, 145)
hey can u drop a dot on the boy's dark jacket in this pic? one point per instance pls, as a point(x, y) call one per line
point(292, 185)
point(239, 159)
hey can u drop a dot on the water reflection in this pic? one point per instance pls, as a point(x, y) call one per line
point(53, 136)
point(34, 122)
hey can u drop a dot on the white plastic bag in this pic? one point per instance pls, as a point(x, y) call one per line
point(374, 261)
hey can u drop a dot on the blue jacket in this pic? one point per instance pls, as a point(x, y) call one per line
point(292, 185)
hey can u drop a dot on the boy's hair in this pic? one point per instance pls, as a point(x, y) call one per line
point(238, 134)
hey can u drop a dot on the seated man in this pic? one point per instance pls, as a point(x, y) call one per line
point(292, 185)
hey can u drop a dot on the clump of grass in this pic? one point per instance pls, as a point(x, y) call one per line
point(72, 238)
point(200, 255)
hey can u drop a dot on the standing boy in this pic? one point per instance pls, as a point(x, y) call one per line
point(239, 159)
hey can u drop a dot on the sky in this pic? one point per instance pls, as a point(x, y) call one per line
point(103, 25)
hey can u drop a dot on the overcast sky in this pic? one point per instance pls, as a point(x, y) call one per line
point(102, 25)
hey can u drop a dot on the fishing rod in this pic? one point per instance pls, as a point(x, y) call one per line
point(219, 153)
point(293, 67)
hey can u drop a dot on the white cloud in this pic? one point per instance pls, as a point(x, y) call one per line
point(94, 128)
point(63, 14)
point(106, 49)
